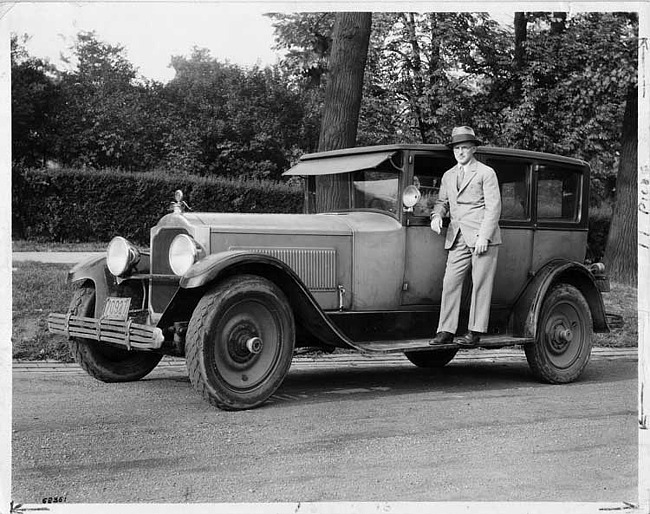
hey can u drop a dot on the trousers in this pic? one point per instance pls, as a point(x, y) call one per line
point(459, 259)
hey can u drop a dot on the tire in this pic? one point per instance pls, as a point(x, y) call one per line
point(101, 361)
point(433, 358)
point(222, 368)
point(562, 347)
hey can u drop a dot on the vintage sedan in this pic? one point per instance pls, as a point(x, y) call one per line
point(235, 294)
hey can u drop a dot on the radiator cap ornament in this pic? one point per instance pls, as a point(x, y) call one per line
point(178, 205)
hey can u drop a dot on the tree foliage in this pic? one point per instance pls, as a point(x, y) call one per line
point(243, 121)
point(306, 39)
point(32, 105)
point(574, 85)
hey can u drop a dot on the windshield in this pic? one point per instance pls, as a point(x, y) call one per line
point(374, 188)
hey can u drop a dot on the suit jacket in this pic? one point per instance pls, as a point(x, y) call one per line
point(474, 208)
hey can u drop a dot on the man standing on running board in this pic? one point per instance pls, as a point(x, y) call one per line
point(470, 196)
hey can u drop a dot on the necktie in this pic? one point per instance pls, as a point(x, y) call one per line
point(461, 176)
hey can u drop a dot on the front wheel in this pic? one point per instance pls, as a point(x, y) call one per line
point(432, 358)
point(101, 361)
point(564, 337)
point(240, 342)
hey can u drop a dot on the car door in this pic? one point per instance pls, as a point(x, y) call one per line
point(425, 256)
point(561, 213)
point(517, 229)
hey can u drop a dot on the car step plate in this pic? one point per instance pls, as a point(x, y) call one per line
point(412, 345)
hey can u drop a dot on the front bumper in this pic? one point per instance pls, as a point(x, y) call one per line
point(124, 333)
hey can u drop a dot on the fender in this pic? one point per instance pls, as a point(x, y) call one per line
point(528, 308)
point(94, 269)
point(218, 266)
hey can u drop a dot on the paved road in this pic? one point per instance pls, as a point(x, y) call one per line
point(342, 427)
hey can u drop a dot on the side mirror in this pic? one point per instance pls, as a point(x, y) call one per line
point(410, 197)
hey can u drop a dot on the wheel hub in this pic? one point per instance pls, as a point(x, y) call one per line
point(243, 343)
point(254, 344)
point(560, 337)
point(563, 335)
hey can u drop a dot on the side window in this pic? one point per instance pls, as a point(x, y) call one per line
point(513, 182)
point(427, 174)
point(375, 189)
point(558, 193)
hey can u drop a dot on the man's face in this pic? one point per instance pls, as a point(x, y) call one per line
point(463, 152)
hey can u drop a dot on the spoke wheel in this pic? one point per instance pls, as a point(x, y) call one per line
point(240, 342)
point(100, 360)
point(433, 358)
point(564, 337)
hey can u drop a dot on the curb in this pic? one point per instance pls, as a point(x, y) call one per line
point(334, 360)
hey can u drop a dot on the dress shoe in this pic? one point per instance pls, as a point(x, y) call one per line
point(442, 338)
point(469, 340)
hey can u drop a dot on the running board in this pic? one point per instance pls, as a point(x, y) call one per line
point(415, 345)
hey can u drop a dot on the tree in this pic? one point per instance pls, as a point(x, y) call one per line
point(621, 250)
point(571, 73)
point(342, 100)
point(96, 119)
point(519, 58)
point(241, 121)
point(33, 97)
point(307, 39)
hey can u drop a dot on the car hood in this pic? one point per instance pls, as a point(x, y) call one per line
point(345, 223)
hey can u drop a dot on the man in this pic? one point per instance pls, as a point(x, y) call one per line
point(469, 194)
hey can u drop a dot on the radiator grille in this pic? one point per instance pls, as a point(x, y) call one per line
point(316, 267)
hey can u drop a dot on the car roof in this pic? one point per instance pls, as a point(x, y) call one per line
point(484, 150)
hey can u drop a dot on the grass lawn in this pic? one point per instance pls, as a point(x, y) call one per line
point(37, 290)
point(35, 246)
point(40, 288)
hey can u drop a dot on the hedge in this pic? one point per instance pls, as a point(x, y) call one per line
point(86, 206)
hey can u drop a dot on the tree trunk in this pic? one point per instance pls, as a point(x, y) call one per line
point(350, 39)
point(521, 33)
point(621, 250)
point(414, 66)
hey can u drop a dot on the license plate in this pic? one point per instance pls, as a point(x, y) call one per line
point(117, 308)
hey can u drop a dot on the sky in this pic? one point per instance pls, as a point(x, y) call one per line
point(150, 32)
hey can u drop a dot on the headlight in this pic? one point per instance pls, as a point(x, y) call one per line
point(121, 256)
point(183, 252)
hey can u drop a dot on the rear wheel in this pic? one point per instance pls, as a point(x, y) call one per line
point(240, 342)
point(564, 337)
point(433, 358)
point(99, 360)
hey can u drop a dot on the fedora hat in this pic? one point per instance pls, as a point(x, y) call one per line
point(462, 134)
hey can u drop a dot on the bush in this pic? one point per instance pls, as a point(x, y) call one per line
point(85, 205)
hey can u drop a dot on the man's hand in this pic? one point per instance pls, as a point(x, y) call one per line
point(436, 223)
point(481, 245)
